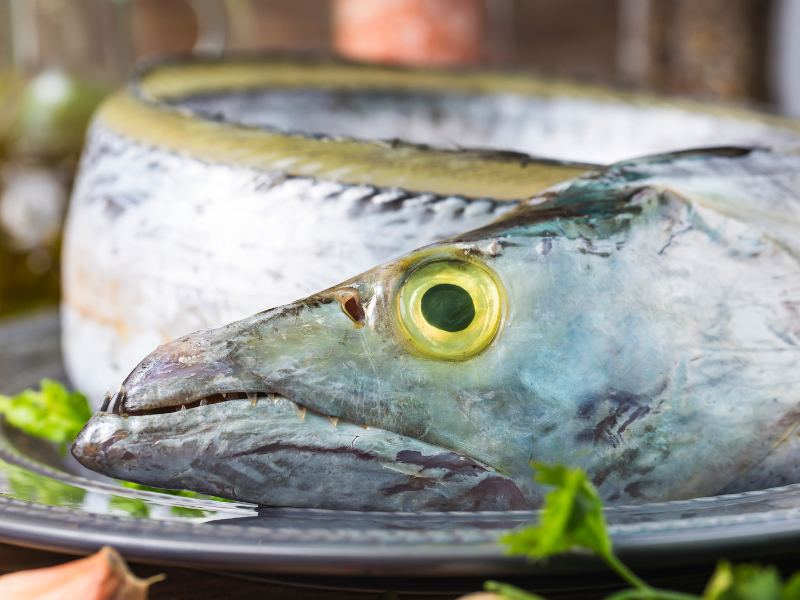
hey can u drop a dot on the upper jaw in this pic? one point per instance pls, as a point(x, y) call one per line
point(185, 371)
point(191, 372)
point(263, 354)
point(248, 359)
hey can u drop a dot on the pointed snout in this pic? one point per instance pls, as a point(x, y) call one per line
point(262, 353)
point(196, 365)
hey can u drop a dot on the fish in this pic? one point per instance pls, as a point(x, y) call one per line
point(640, 321)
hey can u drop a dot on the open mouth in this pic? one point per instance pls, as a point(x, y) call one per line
point(250, 446)
point(116, 405)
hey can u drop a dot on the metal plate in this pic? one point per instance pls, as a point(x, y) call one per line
point(49, 501)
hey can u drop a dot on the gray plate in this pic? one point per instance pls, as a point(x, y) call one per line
point(49, 501)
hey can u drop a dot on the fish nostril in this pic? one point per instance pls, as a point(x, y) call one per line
point(355, 311)
point(351, 306)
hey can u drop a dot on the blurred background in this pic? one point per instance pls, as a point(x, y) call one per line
point(59, 58)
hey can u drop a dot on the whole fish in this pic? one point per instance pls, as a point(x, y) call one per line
point(641, 321)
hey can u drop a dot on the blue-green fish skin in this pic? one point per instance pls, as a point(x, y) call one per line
point(650, 334)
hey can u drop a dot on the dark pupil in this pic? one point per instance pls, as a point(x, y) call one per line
point(448, 307)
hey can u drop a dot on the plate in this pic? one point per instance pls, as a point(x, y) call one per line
point(48, 501)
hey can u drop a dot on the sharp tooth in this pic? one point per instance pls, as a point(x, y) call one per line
point(122, 390)
point(271, 397)
point(225, 395)
point(106, 401)
point(300, 410)
point(253, 397)
point(183, 407)
point(333, 420)
point(204, 401)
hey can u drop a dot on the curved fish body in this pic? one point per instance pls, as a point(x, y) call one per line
point(641, 321)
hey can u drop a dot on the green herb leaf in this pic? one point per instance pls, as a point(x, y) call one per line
point(792, 589)
point(572, 517)
point(745, 582)
point(509, 591)
point(53, 413)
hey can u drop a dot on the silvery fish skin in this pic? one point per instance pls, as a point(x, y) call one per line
point(650, 334)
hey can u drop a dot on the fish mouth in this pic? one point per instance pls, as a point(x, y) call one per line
point(274, 452)
point(115, 405)
point(225, 412)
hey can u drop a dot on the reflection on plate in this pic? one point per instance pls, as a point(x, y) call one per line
point(48, 500)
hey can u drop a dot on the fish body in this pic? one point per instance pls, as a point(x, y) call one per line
point(641, 321)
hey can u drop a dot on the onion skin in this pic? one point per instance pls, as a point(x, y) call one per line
point(102, 576)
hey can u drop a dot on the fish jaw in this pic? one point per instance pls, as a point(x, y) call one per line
point(269, 454)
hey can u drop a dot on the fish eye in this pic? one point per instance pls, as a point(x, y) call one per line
point(450, 308)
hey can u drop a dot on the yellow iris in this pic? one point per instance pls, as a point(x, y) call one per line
point(450, 308)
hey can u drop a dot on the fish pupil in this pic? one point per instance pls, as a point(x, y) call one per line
point(448, 307)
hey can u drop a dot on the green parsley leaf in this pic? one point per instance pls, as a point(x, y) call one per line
point(792, 589)
point(53, 413)
point(572, 517)
point(744, 582)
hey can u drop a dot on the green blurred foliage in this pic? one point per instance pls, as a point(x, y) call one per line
point(188, 513)
point(46, 116)
point(182, 493)
point(30, 486)
point(510, 591)
point(53, 413)
point(747, 581)
point(132, 507)
point(43, 121)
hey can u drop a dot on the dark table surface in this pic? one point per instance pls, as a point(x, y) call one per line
point(190, 584)
point(182, 584)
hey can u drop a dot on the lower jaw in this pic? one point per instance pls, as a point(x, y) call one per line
point(266, 454)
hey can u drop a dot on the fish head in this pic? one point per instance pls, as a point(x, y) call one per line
point(432, 381)
point(463, 359)
point(388, 379)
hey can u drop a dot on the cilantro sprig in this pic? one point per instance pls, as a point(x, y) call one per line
point(53, 413)
point(572, 518)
